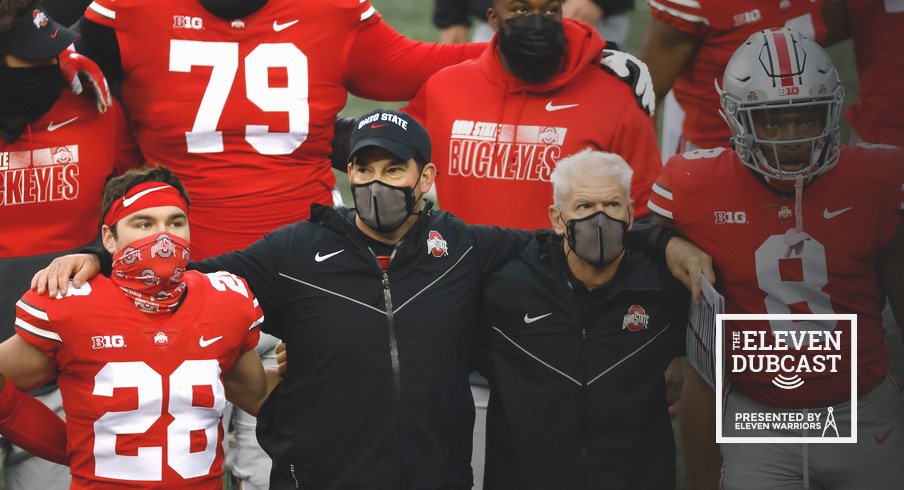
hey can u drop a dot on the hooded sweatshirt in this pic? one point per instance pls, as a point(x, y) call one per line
point(496, 139)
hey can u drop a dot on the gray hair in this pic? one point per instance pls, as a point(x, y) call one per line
point(588, 164)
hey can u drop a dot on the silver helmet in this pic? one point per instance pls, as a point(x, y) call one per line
point(782, 98)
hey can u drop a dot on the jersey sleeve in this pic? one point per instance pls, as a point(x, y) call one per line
point(888, 188)
point(385, 65)
point(256, 314)
point(635, 141)
point(102, 12)
point(687, 16)
point(35, 323)
point(662, 199)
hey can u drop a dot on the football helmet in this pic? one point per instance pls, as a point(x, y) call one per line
point(782, 98)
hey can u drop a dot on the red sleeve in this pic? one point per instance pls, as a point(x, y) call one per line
point(127, 154)
point(635, 141)
point(687, 16)
point(34, 324)
point(888, 187)
point(661, 200)
point(31, 425)
point(254, 332)
point(417, 107)
point(102, 12)
point(385, 65)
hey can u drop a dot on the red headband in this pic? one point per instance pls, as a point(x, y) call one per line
point(143, 196)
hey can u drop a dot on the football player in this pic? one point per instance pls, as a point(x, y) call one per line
point(878, 32)
point(796, 223)
point(145, 359)
point(688, 43)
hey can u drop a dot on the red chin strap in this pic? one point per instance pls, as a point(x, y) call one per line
point(143, 196)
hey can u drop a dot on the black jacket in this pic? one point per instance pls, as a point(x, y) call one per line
point(577, 388)
point(376, 395)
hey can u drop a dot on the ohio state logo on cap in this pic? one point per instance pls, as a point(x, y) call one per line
point(436, 245)
point(636, 319)
point(39, 18)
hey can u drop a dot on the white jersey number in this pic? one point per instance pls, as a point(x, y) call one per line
point(147, 464)
point(223, 57)
point(780, 293)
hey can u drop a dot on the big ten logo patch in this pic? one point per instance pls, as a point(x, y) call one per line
point(792, 360)
point(187, 22)
point(107, 342)
point(489, 150)
point(41, 175)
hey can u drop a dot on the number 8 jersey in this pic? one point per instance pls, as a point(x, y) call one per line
point(851, 213)
point(143, 394)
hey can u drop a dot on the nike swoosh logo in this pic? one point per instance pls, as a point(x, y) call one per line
point(881, 439)
point(321, 258)
point(553, 108)
point(126, 202)
point(205, 343)
point(54, 127)
point(528, 319)
point(831, 214)
point(281, 27)
point(54, 35)
point(375, 126)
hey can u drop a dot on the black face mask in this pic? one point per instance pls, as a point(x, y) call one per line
point(598, 239)
point(383, 207)
point(26, 94)
point(533, 46)
point(232, 9)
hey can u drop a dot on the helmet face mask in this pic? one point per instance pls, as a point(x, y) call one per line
point(782, 99)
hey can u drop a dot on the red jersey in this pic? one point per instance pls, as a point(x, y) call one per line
point(52, 176)
point(851, 213)
point(243, 110)
point(143, 394)
point(719, 27)
point(878, 31)
point(497, 139)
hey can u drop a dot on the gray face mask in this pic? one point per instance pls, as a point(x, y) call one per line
point(383, 207)
point(598, 239)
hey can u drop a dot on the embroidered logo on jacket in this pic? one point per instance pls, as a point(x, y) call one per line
point(636, 319)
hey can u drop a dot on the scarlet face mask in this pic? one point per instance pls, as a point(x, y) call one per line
point(149, 271)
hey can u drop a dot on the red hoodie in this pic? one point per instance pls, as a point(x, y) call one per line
point(497, 139)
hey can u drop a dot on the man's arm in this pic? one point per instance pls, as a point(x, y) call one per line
point(452, 18)
point(665, 50)
point(26, 422)
point(248, 384)
point(31, 425)
point(890, 268)
point(837, 20)
point(404, 64)
point(697, 418)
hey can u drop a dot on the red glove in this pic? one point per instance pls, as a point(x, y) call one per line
point(76, 67)
point(29, 424)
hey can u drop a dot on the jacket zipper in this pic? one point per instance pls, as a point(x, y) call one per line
point(584, 408)
point(394, 359)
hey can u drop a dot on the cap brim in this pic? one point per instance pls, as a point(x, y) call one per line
point(401, 150)
point(40, 47)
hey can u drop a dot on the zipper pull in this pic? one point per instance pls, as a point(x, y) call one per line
point(583, 334)
point(385, 281)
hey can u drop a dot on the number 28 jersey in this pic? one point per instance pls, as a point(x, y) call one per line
point(851, 213)
point(143, 395)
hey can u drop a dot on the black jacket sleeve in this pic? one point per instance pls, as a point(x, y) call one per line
point(66, 12)
point(342, 132)
point(651, 239)
point(612, 7)
point(450, 12)
point(99, 43)
point(497, 246)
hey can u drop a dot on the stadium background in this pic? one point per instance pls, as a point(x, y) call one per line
point(413, 18)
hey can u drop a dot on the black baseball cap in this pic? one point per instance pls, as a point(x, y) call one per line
point(394, 131)
point(35, 36)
